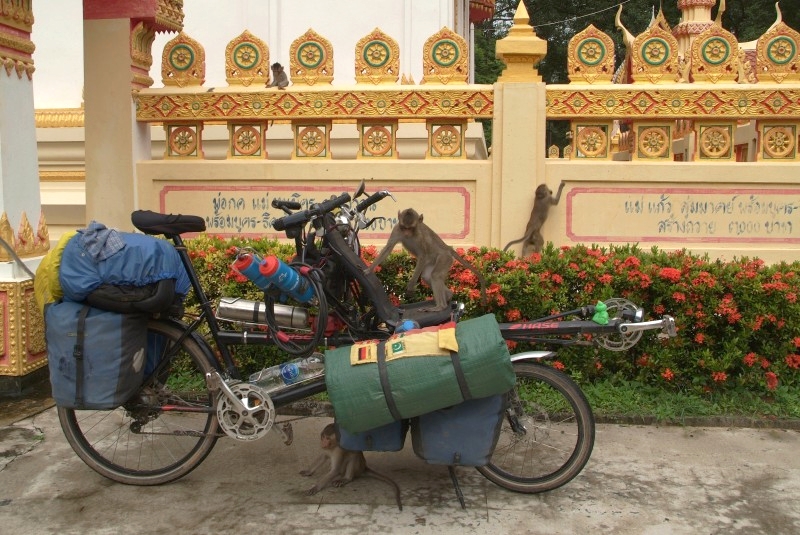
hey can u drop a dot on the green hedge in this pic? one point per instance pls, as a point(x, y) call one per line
point(738, 321)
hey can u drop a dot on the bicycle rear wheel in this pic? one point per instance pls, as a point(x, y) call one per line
point(164, 432)
point(547, 436)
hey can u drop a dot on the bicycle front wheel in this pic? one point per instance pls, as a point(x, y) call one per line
point(164, 432)
point(547, 436)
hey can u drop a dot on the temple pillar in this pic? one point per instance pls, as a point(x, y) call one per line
point(117, 38)
point(22, 348)
point(518, 146)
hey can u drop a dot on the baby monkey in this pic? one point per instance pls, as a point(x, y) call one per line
point(279, 77)
point(346, 465)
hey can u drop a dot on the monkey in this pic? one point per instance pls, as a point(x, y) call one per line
point(279, 77)
point(543, 200)
point(434, 258)
point(346, 465)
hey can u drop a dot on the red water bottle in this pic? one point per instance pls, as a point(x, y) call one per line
point(248, 265)
point(286, 279)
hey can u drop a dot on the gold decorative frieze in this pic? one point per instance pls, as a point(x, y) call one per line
point(158, 106)
point(312, 140)
point(184, 141)
point(715, 56)
point(17, 14)
point(592, 140)
point(445, 58)
point(653, 141)
point(590, 57)
point(247, 60)
point(446, 139)
point(169, 15)
point(26, 243)
point(59, 118)
point(377, 139)
point(142, 37)
point(778, 141)
point(377, 59)
point(655, 57)
point(748, 102)
point(183, 62)
point(311, 60)
point(247, 140)
point(777, 55)
point(22, 343)
point(715, 141)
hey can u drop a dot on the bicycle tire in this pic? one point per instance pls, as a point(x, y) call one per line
point(150, 440)
point(558, 435)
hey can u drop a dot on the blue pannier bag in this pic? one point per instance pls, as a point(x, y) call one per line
point(463, 435)
point(96, 357)
point(389, 437)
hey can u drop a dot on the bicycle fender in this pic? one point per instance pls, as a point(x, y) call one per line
point(532, 356)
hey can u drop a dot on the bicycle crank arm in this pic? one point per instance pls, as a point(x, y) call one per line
point(666, 324)
point(215, 382)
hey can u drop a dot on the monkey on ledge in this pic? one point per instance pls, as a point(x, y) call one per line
point(434, 258)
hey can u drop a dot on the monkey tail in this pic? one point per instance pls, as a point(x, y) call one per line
point(509, 244)
point(388, 480)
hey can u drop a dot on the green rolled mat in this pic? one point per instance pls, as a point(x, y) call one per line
point(421, 384)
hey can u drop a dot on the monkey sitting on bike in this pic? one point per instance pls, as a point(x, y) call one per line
point(434, 258)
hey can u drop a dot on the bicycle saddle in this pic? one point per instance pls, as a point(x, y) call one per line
point(154, 223)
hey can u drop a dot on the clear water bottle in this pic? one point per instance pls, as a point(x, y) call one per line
point(288, 373)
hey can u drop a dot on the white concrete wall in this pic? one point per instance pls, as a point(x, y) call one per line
point(58, 35)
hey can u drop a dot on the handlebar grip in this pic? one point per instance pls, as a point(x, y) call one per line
point(282, 223)
point(327, 206)
point(372, 199)
point(298, 218)
point(291, 205)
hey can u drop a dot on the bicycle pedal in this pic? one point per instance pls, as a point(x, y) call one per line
point(286, 432)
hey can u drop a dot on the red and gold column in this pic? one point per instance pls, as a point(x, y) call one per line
point(22, 349)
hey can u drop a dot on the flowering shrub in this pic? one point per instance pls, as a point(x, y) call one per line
point(738, 322)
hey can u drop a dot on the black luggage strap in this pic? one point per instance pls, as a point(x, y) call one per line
point(78, 354)
point(462, 380)
point(383, 374)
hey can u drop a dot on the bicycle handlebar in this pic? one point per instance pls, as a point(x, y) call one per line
point(372, 199)
point(316, 210)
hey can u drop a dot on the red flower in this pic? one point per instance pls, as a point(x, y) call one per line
point(796, 341)
point(670, 274)
point(632, 261)
point(659, 309)
point(765, 364)
point(513, 315)
point(605, 279)
point(557, 364)
point(679, 297)
point(699, 338)
point(793, 361)
point(772, 380)
point(750, 359)
point(558, 279)
point(667, 374)
point(719, 377)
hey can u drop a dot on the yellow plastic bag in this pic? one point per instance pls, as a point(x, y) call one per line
point(46, 288)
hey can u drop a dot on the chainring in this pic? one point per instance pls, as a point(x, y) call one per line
point(619, 341)
point(254, 421)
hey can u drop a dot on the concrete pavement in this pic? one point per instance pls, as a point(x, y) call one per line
point(640, 480)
